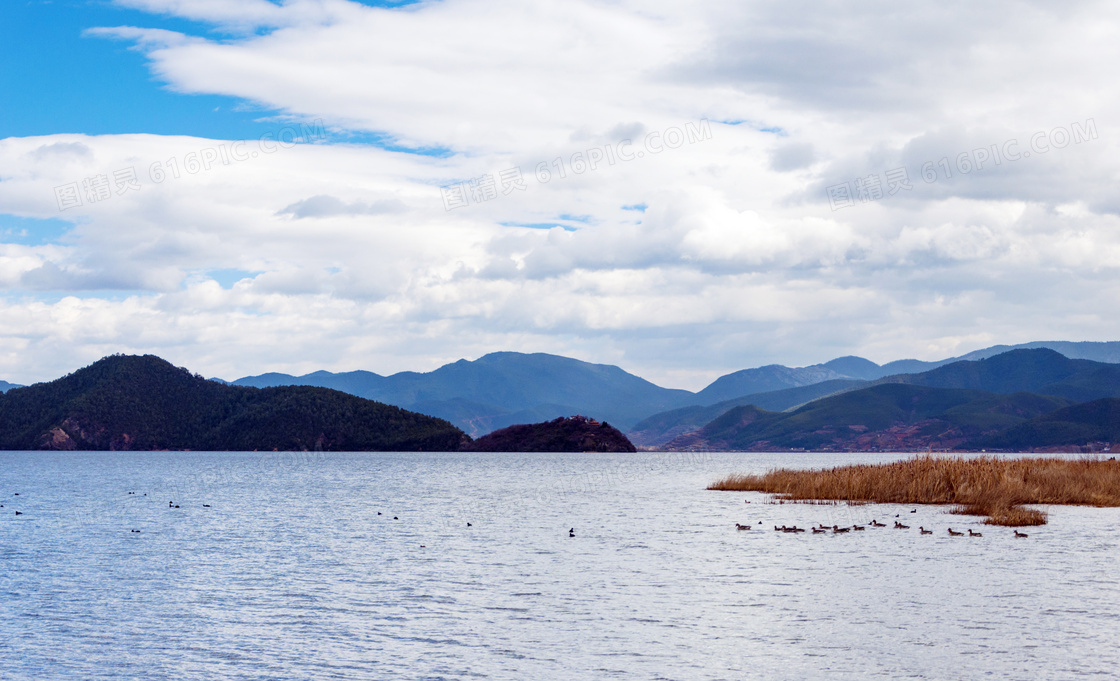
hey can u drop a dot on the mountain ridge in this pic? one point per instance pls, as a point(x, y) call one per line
point(144, 403)
point(966, 404)
point(607, 393)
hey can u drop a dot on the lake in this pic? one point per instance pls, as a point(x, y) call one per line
point(362, 566)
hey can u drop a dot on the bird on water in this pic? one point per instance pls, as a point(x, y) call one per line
point(572, 532)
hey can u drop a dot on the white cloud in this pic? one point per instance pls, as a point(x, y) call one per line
point(718, 254)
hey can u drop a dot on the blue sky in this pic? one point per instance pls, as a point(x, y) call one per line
point(681, 190)
point(57, 80)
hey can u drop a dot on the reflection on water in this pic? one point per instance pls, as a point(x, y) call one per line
point(299, 570)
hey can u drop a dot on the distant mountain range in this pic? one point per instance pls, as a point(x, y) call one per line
point(507, 388)
point(503, 389)
point(5, 386)
point(1018, 399)
point(1024, 398)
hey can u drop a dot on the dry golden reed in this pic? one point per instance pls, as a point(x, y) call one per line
point(988, 486)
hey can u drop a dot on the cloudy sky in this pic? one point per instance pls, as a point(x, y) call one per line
point(254, 185)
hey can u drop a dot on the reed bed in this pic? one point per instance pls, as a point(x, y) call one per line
point(996, 488)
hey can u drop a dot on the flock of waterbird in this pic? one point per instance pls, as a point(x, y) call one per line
point(836, 529)
point(170, 505)
point(819, 529)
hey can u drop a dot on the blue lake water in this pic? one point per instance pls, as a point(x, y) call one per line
point(291, 573)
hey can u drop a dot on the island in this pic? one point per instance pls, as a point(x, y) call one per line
point(565, 434)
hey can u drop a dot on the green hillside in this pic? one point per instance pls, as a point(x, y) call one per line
point(880, 417)
point(145, 403)
point(564, 434)
point(1079, 424)
point(1041, 371)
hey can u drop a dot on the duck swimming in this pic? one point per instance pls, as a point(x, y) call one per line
point(923, 530)
point(739, 527)
point(955, 534)
point(974, 534)
point(1019, 534)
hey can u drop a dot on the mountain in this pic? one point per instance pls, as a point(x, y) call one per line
point(5, 386)
point(503, 388)
point(1041, 374)
point(855, 367)
point(763, 379)
point(145, 403)
point(1042, 371)
point(883, 417)
point(1107, 352)
point(573, 434)
point(656, 430)
point(1077, 426)
point(776, 377)
point(506, 388)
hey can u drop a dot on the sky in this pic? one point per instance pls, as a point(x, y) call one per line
point(683, 191)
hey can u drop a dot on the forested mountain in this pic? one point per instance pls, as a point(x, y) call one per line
point(883, 417)
point(1088, 422)
point(997, 402)
point(145, 403)
point(571, 434)
point(1041, 371)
